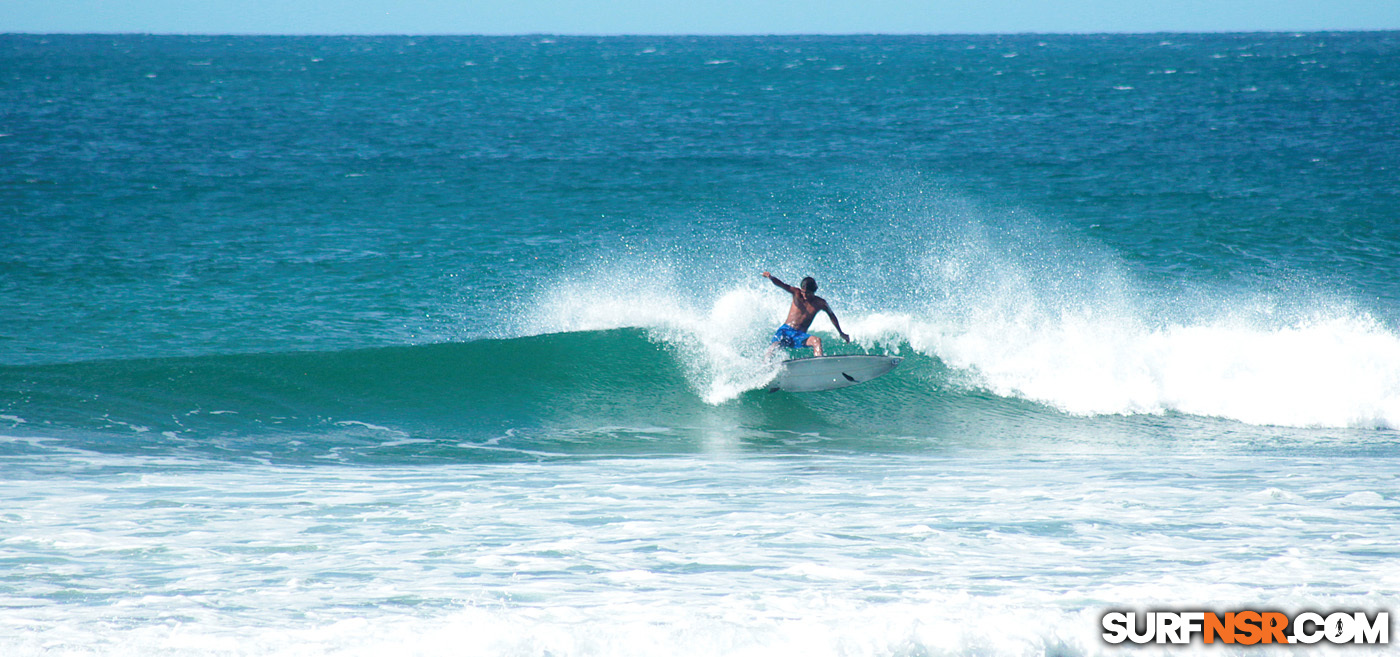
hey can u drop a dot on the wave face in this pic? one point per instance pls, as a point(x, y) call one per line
point(477, 391)
point(1061, 380)
point(1011, 307)
point(593, 392)
point(1007, 325)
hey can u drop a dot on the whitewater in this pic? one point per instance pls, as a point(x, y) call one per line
point(1067, 327)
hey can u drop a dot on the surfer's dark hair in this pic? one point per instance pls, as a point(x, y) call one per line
point(809, 285)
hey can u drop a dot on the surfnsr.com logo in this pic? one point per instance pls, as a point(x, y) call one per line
point(1246, 627)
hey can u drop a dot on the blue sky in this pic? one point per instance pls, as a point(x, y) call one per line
point(690, 16)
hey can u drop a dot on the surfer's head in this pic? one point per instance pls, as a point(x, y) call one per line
point(809, 285)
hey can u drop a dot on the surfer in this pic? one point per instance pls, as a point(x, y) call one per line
point(805, 306)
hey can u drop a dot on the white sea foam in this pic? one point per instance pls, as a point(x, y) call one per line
point(1068, 327)
point(1328, 371)
point(1023, 315)
point(370, 427)
point(843, 555)
point(721, 341)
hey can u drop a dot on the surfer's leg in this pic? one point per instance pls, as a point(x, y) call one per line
point(780, 339)
point(815, 343)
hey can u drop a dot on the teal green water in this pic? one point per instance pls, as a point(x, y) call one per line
point(171, 195)
point(456, 345)
point(203, 196)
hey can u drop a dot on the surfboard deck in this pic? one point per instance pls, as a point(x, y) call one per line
point(830, 372)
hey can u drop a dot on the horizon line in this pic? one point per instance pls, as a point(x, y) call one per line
point(607, 35)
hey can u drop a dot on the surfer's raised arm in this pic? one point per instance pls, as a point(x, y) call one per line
point(790, 289)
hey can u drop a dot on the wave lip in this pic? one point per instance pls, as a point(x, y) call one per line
point(1334, 371)
point(1005, 304)
point(704, 373)
point(1097, 347)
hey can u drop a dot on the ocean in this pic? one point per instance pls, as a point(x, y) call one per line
point(455, 345)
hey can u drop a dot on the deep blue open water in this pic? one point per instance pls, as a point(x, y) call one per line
point(454, 346)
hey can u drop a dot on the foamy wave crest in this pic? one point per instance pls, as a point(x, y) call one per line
point(1014, 308)
point(719, 334)
point(1065, 325)
point(1321, 372)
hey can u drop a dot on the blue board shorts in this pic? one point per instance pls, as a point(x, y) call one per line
point(790, 337)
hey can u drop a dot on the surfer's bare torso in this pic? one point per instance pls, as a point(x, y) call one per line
point(805, 306)
point(804, 309)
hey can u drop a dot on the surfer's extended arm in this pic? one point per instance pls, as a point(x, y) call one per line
point(835, 323)
point(790, 289)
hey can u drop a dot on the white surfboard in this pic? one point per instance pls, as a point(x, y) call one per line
point(830, 372)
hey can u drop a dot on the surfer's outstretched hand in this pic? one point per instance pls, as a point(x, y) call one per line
point(845, 337)
point(767, 275)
